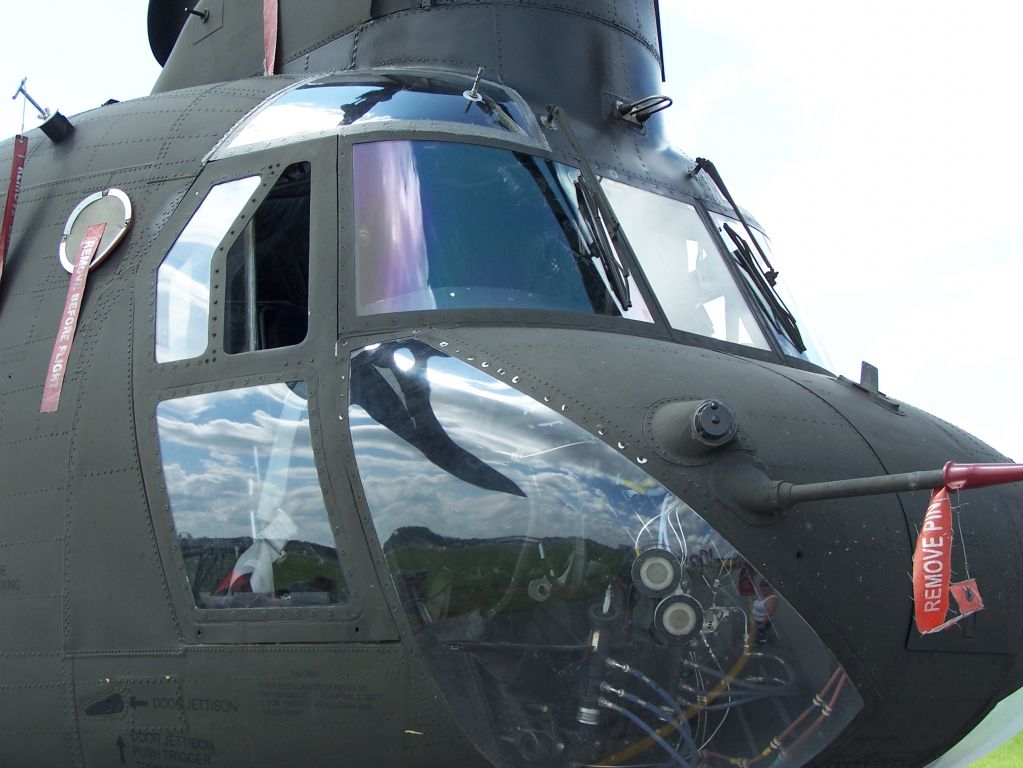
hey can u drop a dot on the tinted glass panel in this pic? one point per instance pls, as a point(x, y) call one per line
point(572, 610)
point(447, 226)
point(183, 280)
point(328, 105)
point(693, 284)
point(246, 501)
point(268, 270)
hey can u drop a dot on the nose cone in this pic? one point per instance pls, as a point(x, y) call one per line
point(572, 609)
point(844, 565)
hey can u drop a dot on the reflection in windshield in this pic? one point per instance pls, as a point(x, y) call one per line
point(246, 500)
point(332, 103)
point(591, 618)
point(683, 266)
point(183, 280)
point(447, 226)
point(395, 391)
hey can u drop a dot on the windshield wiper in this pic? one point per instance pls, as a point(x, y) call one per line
point(500, 115)
point(598, 244)
point(489, 107)
point(778, 313)
point(703, 164)
point(599, 216)
point(765, 278)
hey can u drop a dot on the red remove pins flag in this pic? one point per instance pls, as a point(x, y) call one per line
point(69, 319)
point(932, 564)
point(13, 190)
point(270, 17)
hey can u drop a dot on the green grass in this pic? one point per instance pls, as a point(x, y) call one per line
point(1010, 755)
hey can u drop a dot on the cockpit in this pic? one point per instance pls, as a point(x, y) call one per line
point(456, 203)
point(572, 609)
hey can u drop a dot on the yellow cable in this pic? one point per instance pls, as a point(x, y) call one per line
point(645, 744)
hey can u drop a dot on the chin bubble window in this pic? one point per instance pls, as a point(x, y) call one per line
point(244, 493)
point(573, 611)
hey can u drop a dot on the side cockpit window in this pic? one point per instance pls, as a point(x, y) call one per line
point(244, 493)
point(183, 280)
point(266, 293)
point(267, 303)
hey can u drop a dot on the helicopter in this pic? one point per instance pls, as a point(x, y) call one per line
point(410, 405)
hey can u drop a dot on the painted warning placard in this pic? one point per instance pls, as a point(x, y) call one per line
point(69, 320)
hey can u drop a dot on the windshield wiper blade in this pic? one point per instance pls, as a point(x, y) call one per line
point(768, 277)
point(703, 164)
point(599, 244)
point(600, 217)
point(499, 115)
point(780, 315)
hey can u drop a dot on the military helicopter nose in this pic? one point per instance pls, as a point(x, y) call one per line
point(841, 569)
point(388, 392)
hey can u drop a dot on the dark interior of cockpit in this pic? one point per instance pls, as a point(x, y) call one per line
point(267, 267)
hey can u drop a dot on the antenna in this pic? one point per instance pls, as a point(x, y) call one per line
point(44, 113)
point(473, 94)
point(55, 126)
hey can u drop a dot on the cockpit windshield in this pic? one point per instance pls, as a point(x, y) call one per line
point(440, 225)
point(693, 284)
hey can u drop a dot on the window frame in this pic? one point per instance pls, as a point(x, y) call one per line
point(365, 617)
point(222, 259)
point(321, 154)
point(351, 323)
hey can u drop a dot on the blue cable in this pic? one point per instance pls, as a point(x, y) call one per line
point(682, 727)
point(682, 719)
point(778, 689)
point(675, 756)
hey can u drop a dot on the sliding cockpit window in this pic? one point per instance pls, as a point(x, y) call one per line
point(266, 292)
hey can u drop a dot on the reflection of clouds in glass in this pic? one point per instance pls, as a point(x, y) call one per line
point(575, 485)
point(190, 408)
point(391, 238)
point(231, 458)
point(183, 280)
point(182, 308)
point(281, 120)
point(562, 500)
point(304, 110)
point(469, 562)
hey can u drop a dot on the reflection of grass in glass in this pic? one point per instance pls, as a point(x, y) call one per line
point(310, 568)
point(209, 562)
point(454, 578)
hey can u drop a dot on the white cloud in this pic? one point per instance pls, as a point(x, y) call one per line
point(877, 142)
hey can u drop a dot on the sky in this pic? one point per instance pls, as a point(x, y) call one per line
point(877, 142)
